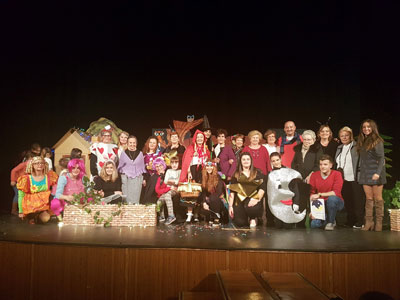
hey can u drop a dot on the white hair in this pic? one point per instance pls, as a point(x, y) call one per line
point(310, 133)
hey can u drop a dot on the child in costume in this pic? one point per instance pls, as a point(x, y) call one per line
point(46, 154)
point(34, 190)
point(171, 179)
point(63, 163)
point(163, 191)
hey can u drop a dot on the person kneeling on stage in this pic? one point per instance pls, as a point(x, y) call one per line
point(327, 185)
point(68, 185)
point(284, 198)
point(247, 187)
point(212, 195)
point(165, 192)
point(34, 191)
point(108, 185)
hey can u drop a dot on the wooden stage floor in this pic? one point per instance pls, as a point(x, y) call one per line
point(200, 236)
point(74, 262)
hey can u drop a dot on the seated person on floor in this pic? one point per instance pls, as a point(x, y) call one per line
point(164, 191)
point(327, 185)
point(247, 188)
point(212, 195)
point(284, 198)
point(108, 185)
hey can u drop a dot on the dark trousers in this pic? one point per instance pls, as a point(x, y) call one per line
point(242, 212)
point(217, 206)
point(354, 202)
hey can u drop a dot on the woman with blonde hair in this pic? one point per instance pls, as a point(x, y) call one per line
point(34, 191)
point(108, 185)
point(372, 172)
point(122, 142)
point(346, 162)
point(258, 153)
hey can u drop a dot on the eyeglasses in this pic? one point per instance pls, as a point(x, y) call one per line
point(38, 163)
point(106, 135)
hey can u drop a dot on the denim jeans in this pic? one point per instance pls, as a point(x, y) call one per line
point(332, 206)
point(15, 198)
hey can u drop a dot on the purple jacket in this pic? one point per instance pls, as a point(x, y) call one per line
point(130, 168)
point(224, 156)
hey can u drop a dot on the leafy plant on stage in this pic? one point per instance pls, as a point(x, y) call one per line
point(393, 196)
point(89, 197)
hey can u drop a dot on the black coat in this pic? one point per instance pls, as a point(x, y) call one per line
point(311, 160)
point(149, 195)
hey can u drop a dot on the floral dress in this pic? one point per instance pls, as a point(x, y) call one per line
point(33, 196)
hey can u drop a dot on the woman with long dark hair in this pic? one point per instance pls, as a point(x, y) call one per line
point(247, 191)
point(372, 172)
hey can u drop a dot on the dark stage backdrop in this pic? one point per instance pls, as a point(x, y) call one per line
point(142, 67)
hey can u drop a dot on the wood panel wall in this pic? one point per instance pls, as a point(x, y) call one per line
point(30, 271)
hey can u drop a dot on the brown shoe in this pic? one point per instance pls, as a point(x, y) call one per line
point(369, 220)
point(379, 211)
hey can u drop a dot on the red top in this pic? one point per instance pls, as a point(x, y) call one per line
point(18, 171)
point(188, 155)
point(160, 190)
point(288, 154)
point(333, 182)
point(260, 158)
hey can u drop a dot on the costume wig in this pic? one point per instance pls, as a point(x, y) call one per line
point(209, 181)
point(159, 161)
point(77, 162)
point(36, 159)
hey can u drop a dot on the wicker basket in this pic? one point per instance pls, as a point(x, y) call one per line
point(189, 190)
point(394, 219)
point(190, 195)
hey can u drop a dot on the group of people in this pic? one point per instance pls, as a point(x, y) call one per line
point(245, 181)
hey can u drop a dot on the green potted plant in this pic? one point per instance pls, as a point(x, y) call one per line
point(392, 198)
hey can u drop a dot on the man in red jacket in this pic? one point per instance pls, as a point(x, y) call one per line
point(327, 184)
point(287, 142)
